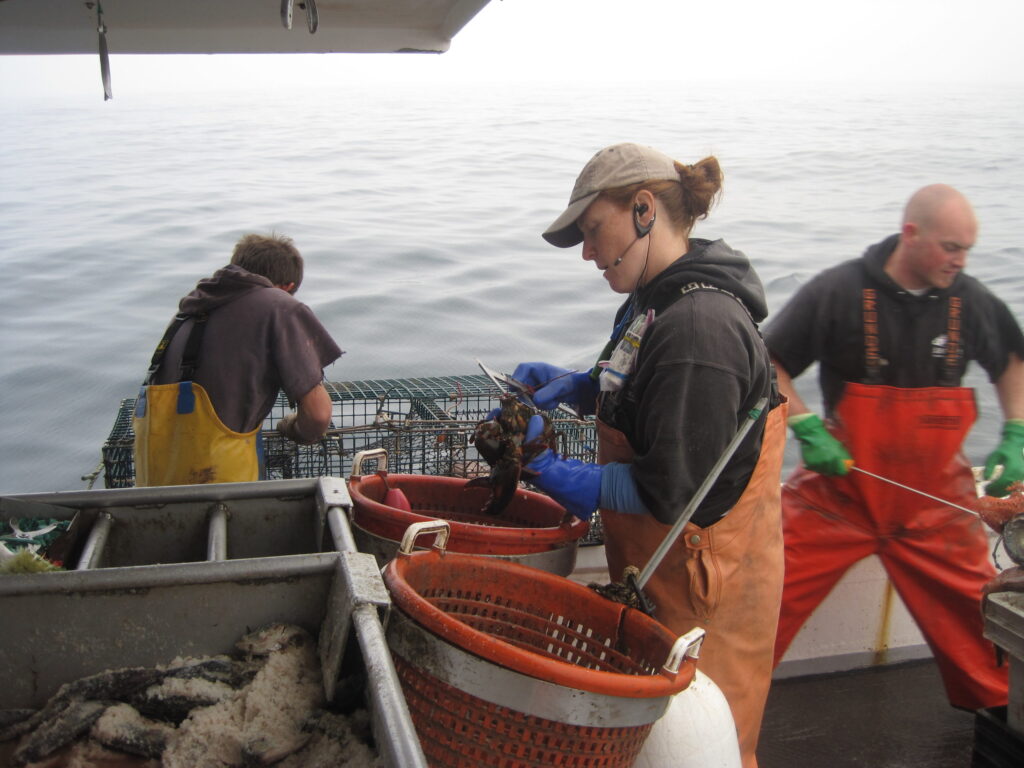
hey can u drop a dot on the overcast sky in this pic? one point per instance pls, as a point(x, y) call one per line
point(645, 40)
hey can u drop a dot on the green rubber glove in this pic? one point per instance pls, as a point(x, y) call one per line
point(1009, 453)
point(821, 452)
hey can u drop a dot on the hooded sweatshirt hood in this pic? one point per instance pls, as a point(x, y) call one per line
point(875, 259)
point(713, 263)
point(222, 288)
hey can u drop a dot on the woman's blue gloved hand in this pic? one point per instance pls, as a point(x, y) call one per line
point(574, 484)
point(1010, 454)
point(553, 385)
point(821, 452)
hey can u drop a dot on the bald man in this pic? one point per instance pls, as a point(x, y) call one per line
point(893, 332)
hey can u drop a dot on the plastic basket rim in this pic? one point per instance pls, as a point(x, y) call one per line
point(544, 537)
point(529, 663)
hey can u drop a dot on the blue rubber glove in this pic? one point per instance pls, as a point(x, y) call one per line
point(619, 491)
point(1009, 453)
point(553, 385)
point(821, 452)
point(574, 484)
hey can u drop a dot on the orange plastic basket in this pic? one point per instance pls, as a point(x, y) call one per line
point(532, 522)
point(509, 666)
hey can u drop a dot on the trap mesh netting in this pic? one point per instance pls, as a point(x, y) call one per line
point(424, 424)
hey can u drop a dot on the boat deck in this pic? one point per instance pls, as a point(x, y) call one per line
point(895, 716)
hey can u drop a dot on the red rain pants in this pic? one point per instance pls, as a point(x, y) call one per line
point(936, 556)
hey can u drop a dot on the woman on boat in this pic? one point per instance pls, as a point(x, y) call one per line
point(684, 368)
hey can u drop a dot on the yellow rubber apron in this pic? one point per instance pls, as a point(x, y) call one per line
point(179, 439)
point(726, 578)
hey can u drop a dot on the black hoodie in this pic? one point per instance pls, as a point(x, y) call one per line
point(824, 321)
point(701, 367)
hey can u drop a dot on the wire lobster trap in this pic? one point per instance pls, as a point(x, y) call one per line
point(423, 424)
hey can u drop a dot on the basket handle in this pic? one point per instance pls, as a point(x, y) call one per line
point(380, 454)
point(686, 646)
point(414, 531)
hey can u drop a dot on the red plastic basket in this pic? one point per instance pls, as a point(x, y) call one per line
point(508, 666)
point(531, 523)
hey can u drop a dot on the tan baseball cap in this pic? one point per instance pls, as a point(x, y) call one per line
point(616, 166)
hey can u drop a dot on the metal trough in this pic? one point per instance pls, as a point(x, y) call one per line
point(164, 572)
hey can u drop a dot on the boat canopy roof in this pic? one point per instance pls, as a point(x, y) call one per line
point(233, 26)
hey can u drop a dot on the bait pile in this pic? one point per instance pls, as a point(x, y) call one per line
point(1005, 516)
point(997, 512)
point(264, 706)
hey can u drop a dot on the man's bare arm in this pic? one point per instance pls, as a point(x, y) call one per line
point(311, 419)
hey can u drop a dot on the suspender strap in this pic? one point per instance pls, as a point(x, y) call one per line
point(950, 376)
point(190, 357)
point(869, 314)
point(161, 348)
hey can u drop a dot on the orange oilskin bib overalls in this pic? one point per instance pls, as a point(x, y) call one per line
point(726, 578)
point(936, 556)
point(179, 439)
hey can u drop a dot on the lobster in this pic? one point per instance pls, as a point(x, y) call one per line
point(502, 443)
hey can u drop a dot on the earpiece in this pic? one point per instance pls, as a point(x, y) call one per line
point(642, 230)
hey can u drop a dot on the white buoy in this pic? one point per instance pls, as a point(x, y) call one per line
point(697, 731)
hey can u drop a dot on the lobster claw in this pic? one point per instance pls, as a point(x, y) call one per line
point(501, 442)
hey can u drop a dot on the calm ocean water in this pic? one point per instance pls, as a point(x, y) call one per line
point(418, 210)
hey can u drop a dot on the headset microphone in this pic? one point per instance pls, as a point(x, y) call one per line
point(619, 260)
